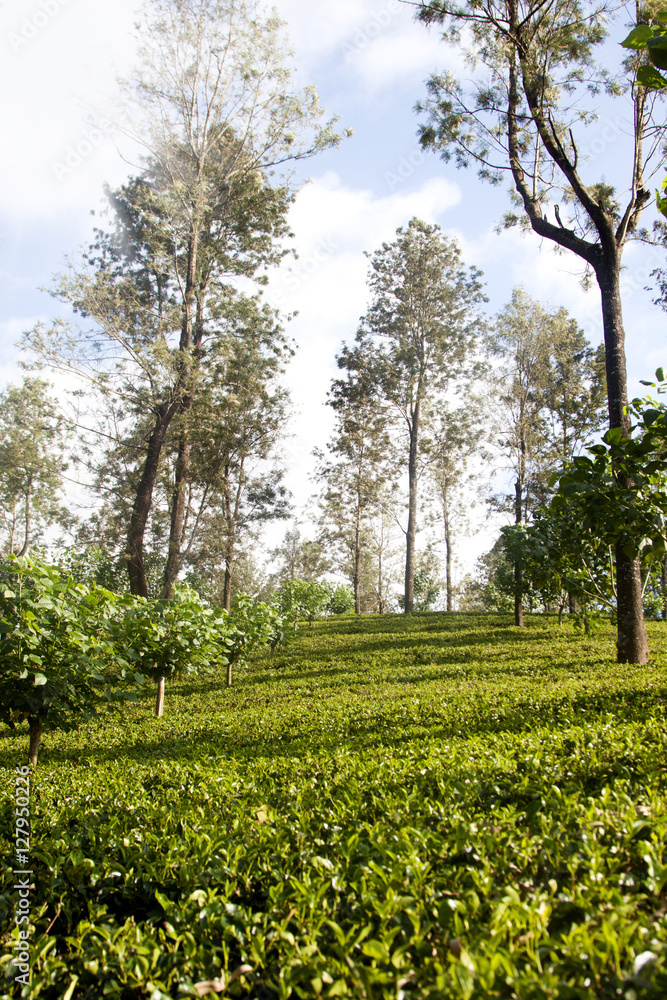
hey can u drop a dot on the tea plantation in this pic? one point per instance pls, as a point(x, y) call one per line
point(443, 806)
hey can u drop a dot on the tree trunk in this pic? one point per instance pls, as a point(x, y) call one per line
point(518, 573)
point(411, 534)
point(35, 724)
point(357, 560)
point(28, 522)
point(191, 337)
point(159, 701)
point(380, 582)
point(143, 500)
point(178, 504)
point(448, 562)
point(229, 566)
point(664, 589)
point(229, 674)
point(632, 641)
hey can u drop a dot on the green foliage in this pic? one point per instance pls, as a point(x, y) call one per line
point(621, 490)
point(32, 463)
point(341, 600)
point(251, 625)
point(163, 638)
point(298, 599)
point(652, 39)
point(442, 807)
point(57, 659)
point(426, 591)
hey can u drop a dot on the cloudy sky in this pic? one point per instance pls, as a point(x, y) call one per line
point(369, 60)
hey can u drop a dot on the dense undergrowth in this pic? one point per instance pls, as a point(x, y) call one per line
point(441, 806)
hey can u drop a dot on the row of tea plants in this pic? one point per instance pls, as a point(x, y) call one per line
point(66, 648)
point(435, 808)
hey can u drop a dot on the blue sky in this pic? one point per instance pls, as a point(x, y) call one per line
point(369, 60)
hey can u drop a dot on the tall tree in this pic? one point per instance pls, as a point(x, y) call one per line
point(234, 483)
point(32, 463)
point(299, 558)
point(521, 339)
point(456, 438)
point(357, 469)
point(551, 387)
point(574, 393)
point(523, 114)
point(418, 333)
point(216, 110)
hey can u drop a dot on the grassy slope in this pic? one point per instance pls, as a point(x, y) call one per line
point(441, 807)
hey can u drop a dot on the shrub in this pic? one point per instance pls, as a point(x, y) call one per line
point(164, 637)
point(341, 600)
point(250, 625)
point(57, 660)
point(302, 599)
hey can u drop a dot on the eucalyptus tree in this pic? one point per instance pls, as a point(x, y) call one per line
point(214, 105)
point(522, 115)
point(358, 466)
point(33, 440)
point(551, 390)
point(418, 334)
point(299, 558)
point(457, 439)
point(237, 421)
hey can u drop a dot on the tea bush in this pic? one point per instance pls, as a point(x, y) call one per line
point(439, 806)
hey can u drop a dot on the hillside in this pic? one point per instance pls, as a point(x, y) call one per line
point(443, 806)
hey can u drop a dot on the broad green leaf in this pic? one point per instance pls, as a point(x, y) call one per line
point(638, 37)
point(648, 76)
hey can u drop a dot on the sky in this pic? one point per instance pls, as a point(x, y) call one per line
point(369, 59)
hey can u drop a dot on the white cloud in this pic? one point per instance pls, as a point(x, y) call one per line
point(59, 60)
point(372, 44)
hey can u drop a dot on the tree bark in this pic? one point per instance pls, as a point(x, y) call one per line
point(380, 580)
point(191, 338)
point(178, 504)
point(28, 522)
point(159, 701)
point(411, 534)
point(518, 572)
point(229, 566)
point(448, 562)
point(357, 561)
point(632, 640)
point(35, 724)
point(664, 589)
point(143, 500)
